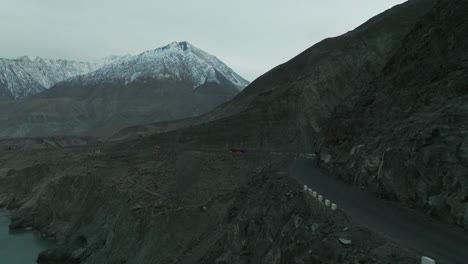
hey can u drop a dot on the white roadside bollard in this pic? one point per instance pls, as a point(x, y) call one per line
point(314, 194)
point(310, 191)
point(305, 188)
point(327, 202)
point(334, 207)
point(426, 260)
point(320, 198)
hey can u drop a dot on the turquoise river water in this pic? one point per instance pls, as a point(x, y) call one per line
point(19, 247)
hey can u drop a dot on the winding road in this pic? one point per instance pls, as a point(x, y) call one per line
point(404, 226)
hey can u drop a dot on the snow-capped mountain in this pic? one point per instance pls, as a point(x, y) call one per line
point(178, 61)
point(24, 76)
point(173, 82)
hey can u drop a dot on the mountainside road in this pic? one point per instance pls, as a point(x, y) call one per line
point(405, 226)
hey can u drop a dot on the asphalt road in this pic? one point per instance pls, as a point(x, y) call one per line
point(404, 226)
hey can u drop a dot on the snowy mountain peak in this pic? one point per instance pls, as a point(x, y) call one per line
point(183, 45)
point(176, 61)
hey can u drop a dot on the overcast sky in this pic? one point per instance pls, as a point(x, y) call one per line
point(251, 36)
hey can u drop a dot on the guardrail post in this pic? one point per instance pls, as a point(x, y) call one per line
point(327, 202)
point(334, 207)
point(320, 198)
point(314, 194)
point(305, 187)
point(426, 260)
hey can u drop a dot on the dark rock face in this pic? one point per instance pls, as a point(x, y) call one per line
point(411, 121)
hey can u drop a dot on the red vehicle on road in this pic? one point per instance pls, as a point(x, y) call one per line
point(238, 151)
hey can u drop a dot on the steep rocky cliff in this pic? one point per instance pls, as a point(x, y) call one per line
point(405, 135)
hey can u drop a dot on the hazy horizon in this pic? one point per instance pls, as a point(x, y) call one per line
point(251, 38)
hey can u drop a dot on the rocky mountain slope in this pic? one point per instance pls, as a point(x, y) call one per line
point(405, 135)
point(176, 81)
point(393, 123)
point(289, 105)
point(23, 77)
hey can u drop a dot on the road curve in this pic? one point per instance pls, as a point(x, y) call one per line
point(404, 226)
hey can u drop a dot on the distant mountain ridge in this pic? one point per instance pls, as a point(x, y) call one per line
point(23, 77)
point(172, 82)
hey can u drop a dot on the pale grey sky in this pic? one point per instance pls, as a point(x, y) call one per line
point(251, 36)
